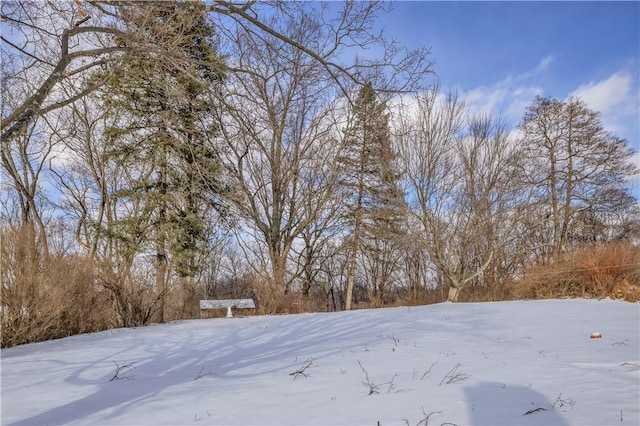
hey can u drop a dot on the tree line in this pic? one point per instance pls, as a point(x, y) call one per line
point(164, 152)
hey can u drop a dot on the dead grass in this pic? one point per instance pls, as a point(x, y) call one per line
point(595, 271)
point(46, 298)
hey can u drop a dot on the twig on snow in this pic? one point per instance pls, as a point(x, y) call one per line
point(428, 371)
point(396, 340)
point(201, 374)
point(302, 370)
point(425, 420)
point(453, 376)
point(623, 343)
point(120, 369)
point(559, 402)
point(535, 410)
point(373, 388)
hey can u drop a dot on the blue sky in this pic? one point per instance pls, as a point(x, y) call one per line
point(499, 55)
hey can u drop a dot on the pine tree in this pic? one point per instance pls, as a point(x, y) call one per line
point(160, 129)
point(370, 181)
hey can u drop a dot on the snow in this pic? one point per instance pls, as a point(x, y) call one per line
point(502, 360)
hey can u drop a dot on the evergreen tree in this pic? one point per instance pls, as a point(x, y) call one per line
point(371, 182)
point(161, 131)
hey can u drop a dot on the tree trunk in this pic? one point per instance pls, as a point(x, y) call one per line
point(161, 251)
point(350, 280)
point(353, 256)
point(454, 292)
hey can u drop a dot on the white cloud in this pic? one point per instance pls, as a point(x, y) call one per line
point(545, 63)
point(617, 98)
point(510, 96)
point(607, 94)
point(486, 99)
point(520, 99)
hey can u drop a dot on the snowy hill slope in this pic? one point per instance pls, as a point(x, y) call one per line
point(524, 362)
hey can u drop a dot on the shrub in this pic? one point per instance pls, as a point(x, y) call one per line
point(134, 301)
point(593, 271)
point(47, 297)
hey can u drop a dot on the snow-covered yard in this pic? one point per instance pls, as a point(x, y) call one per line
point(524, 362)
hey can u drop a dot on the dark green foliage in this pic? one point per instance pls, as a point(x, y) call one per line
point(161, 131)
point(371, 178)
point(370, 182)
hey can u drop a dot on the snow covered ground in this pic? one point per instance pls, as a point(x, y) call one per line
point(512, 363)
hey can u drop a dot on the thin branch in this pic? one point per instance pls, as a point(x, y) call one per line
point(120, 369)
point(202, 374)
point(302, 370)
point(23, 51)
point(327, 65)
point(535, 410)
point(453, 376)
point(428, 371)
point(74, 98)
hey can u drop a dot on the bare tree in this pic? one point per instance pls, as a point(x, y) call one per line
point(460, 186)
point(493, 194)
point(48, 50)
point(396, 70)
point(65, 43)
point(56, 55)
point(426, 130)
point(311, 254)
point(23, 165)
point(419, 277)
point(578, 169)
point(272, 130)
point(86, 179)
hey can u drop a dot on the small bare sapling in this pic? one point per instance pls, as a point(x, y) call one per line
point(120, 369)
point(202, 373)
point(302, 371)
point(559, 402)
point(425, 418)
point(396, 340)
point(375, 388)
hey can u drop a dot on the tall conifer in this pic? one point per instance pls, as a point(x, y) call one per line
point(370, 180)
